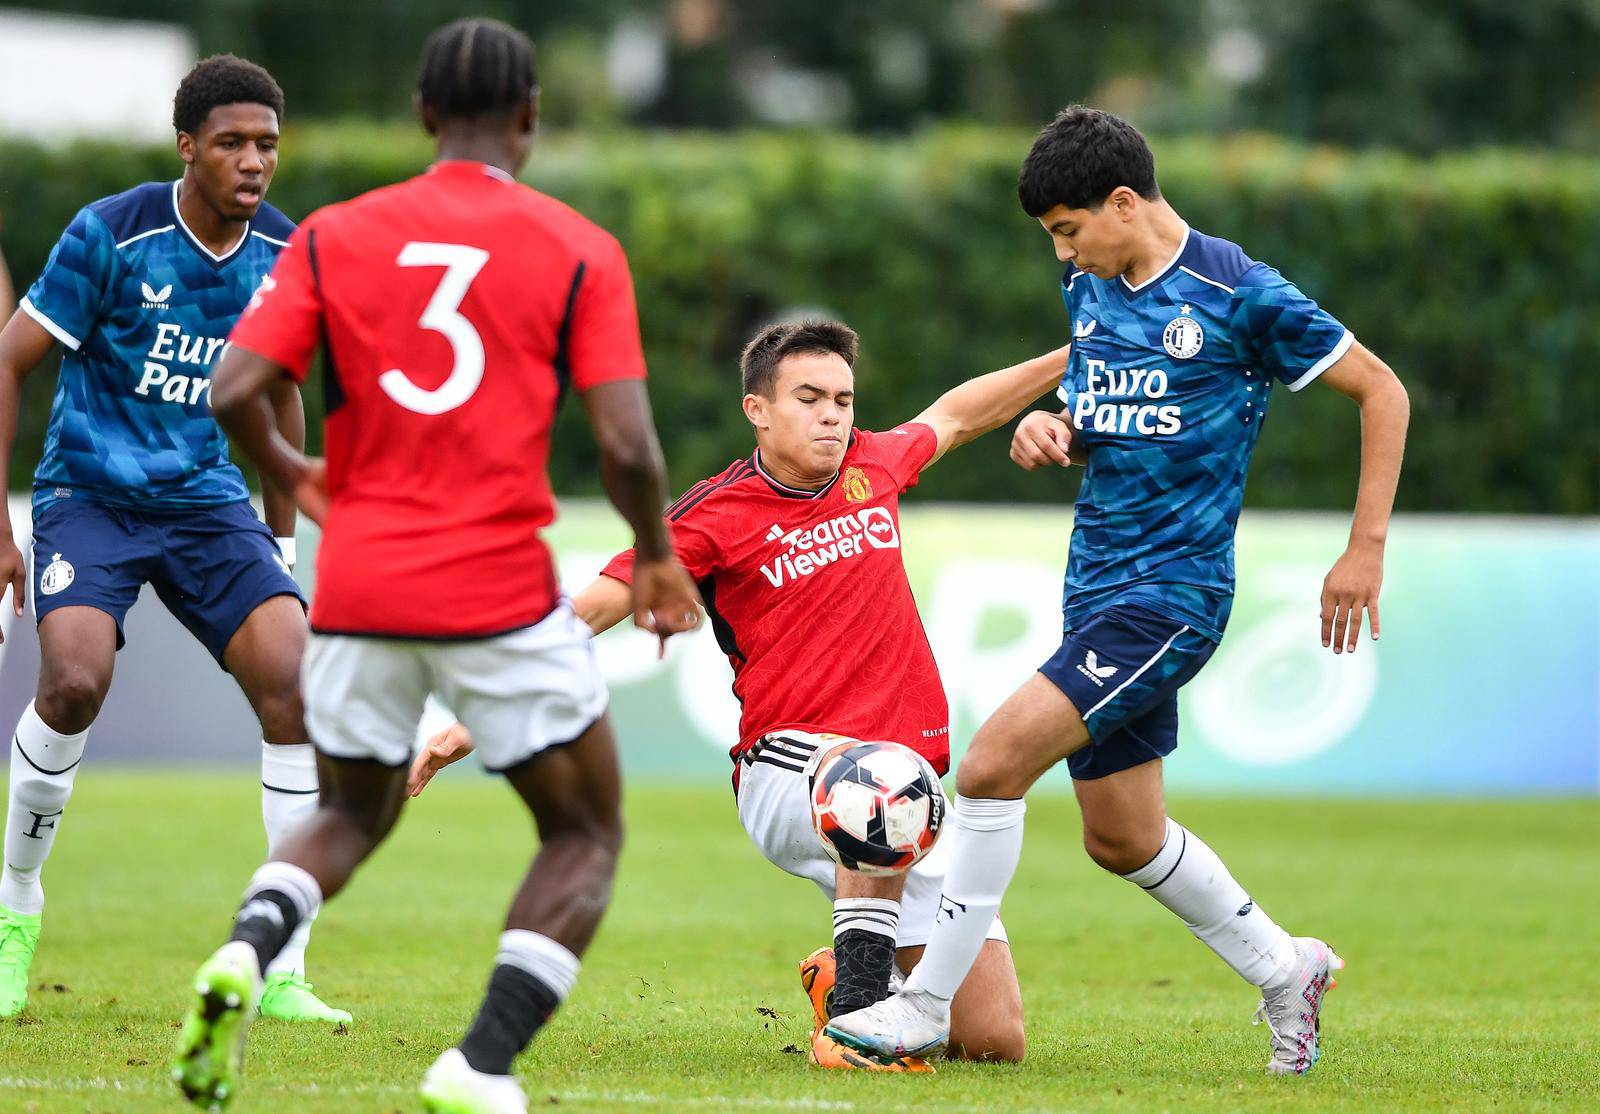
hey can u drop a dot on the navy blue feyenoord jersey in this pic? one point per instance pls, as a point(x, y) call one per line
point(1168, 384)
point(144, 310)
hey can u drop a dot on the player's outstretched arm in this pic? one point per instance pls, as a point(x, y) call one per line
point(23, 343)
point(241, 390)
point(604, 604)
point(664, 597)
point(1357, 576)
point(979, 405)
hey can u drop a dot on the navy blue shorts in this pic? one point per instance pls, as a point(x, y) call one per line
point(1122, 670)
point(211, 566)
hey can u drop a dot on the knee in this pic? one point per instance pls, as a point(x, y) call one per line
point(598, 833)
point(69, 698)
point(983, 774)
point(1002, 1043)
point(281, 713)
point(1120, 852)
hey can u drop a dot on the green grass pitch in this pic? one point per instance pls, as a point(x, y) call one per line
point(1473, 979)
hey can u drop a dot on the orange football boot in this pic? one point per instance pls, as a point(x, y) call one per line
point(829, 1053)
point(816, 979)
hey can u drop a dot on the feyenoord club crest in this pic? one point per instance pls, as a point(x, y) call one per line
point(857, 488)
point(1183, 336)
point(57, 575)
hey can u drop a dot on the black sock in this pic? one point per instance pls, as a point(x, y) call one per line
point(515, 1006)
point(863, 962)
point(265, 921)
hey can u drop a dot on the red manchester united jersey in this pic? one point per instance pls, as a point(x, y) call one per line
point(455, 309)
point(808, 596)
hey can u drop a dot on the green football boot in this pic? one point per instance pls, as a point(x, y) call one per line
point(210, 1051)
point(290, 998)
point(19, 936)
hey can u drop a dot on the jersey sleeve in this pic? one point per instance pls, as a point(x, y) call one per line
point(283, 321)
point(904, 450)
point(1278, 329)
point(692, 541)
point(75, 285)
point(602, 342)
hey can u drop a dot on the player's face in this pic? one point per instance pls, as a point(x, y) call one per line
point(807, 422)
point(233, 156)
point(1099, 240)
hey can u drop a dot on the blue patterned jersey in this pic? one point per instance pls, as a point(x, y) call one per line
point(1168, 385)
point(144, 310)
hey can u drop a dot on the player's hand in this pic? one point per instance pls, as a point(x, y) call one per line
point(13, 571)
point(311, 491)
point(450, 745)
point(1351, 585)
point(1041, 439)
point(665, 601)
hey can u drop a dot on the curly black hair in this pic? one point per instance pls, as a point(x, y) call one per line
point(1080, 157)
point(219, 80)
point(476, 69)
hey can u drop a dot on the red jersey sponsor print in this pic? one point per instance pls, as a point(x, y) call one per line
point(808, 596)
point(455, 309)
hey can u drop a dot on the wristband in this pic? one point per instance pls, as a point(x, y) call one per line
point(286, 550)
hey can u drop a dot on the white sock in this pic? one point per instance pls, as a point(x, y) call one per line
point(988, 845)
point(540, 957)
point(288, 799)
point(1187, 877)
point(878, 915)
point(44, 763)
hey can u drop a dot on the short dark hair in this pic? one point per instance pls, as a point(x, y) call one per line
point(219, 80)
point(766, 350)
point(1080, 157)
point(475, 69)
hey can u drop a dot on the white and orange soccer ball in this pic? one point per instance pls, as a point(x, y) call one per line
point(878, 807)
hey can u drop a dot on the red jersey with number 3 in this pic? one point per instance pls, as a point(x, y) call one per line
point(455, 309)
point(808, 596)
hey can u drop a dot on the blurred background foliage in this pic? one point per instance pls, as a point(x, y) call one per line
point(1420, 75)
point(1425, 168)
point(1464, 271)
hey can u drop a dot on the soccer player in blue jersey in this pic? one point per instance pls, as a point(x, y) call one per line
point(135, 486)
point(1178, 339)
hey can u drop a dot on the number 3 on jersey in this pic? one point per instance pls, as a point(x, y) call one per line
point(461, 265)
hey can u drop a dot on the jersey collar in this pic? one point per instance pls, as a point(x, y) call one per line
point(454, 166)
point(798, 492)
point(1183, 246)
point(215, 259)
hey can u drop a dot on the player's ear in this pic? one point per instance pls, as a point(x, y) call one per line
point(186, 147)
point(1124, 202)
point(755, 410)
point(430, 123)
point(528, 114)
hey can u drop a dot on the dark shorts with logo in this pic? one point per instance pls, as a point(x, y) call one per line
point(1122, 670)
point(211, 566)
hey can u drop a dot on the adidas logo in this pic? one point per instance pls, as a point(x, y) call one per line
point(1081, 329)
point(1092, 669)
point(155, 299)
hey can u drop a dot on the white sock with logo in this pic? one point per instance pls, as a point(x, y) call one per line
point(987, 846)
point(1187, 877)
point(44, 764)
point(288, 799)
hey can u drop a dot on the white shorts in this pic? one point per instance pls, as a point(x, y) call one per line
point(518, 693)
point(775, 809)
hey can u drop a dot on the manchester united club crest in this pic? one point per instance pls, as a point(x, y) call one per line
point(857, 488)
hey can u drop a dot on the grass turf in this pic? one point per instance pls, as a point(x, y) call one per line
point(1474, 977)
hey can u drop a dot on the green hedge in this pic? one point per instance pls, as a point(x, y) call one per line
point(1476, 276)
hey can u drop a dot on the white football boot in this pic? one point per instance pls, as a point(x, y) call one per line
point(910, 1023)
point(1293, 1012)
point(452, 1086)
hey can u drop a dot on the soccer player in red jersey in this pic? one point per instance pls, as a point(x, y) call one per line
point(454, 310)
point(796, 551)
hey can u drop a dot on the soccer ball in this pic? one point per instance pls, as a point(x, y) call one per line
point(878, 807)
